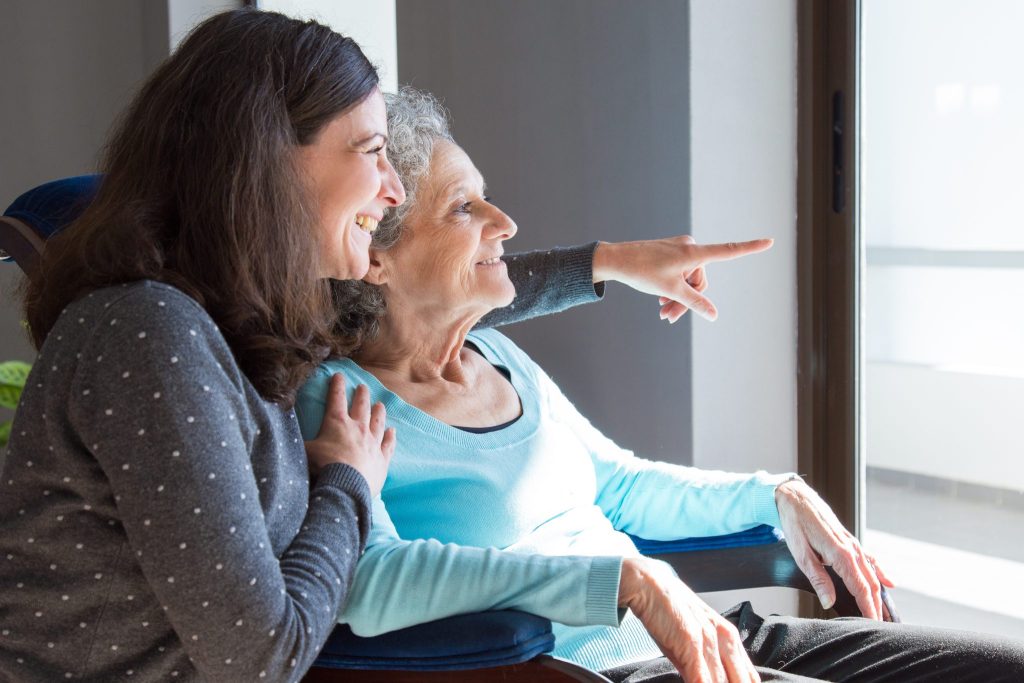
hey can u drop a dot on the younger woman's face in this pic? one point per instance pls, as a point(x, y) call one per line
point(352, 182)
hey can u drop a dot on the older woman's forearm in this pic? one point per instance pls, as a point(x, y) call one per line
point(405, 583)
point(547, 281)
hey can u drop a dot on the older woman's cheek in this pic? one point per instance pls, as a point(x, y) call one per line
point(451, 268)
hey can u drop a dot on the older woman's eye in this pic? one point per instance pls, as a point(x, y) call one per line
point(464, 207)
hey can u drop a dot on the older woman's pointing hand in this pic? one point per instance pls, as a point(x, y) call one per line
point(671, 269)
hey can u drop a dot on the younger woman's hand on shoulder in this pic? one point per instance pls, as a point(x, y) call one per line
point(354, 435)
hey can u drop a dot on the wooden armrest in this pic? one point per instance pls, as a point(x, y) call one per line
point(20, 242)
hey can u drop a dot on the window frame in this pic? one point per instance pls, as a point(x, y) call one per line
point(828, 259)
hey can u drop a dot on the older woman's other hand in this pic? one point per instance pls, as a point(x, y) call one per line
point(354, 436)
point(702, 645)
point(671, 269)
point(817, 539)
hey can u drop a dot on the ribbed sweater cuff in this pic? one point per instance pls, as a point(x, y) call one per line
point(766, 511)
point(348, 479)
point(603, 591)
point(578, 274)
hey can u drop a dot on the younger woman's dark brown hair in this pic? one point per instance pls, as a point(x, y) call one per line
point(201, 192)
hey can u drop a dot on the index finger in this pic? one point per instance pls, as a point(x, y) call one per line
point(727, 251)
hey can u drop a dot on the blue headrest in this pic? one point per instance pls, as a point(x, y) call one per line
point(51, 207)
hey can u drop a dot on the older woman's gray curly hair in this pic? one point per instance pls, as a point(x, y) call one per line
point(416, 121)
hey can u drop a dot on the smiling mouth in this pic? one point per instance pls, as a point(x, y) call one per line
point(367, 223)
point(490, 262)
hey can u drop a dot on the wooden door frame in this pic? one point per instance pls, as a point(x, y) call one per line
point(828, 255)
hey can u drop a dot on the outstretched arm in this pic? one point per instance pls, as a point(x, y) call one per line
point(548, 281)
point(672, 268)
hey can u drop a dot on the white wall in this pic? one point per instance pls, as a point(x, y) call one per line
point(67, 69)
point(371, 24)
point(182, 15)
point(743, 170)
point(743, 141)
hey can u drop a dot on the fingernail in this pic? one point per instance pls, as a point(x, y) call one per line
point(826, 602)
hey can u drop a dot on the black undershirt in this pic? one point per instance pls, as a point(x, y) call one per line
point(484, 430)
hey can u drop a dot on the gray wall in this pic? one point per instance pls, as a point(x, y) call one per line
point(577, 114)
point(67, 69)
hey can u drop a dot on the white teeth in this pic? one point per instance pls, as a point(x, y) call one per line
point(490, 261)
point(367, 223)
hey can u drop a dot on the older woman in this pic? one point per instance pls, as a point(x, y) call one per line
point(501, 495)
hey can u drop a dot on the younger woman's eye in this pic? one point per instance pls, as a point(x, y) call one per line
point(376, 150)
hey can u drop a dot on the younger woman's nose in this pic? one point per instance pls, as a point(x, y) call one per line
point(391, 189)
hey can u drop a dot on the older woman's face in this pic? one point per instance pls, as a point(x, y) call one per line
point(448, 257)
point(354, 183)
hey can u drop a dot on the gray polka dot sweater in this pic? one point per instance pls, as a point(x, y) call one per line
point(156, 517)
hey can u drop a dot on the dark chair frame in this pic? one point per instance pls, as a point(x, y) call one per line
point(21, 243)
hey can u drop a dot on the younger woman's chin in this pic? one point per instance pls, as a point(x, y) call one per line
point(357, 256)
point(353, 268)
point(357, 271)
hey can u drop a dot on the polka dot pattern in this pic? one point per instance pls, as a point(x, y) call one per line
point(134, 528)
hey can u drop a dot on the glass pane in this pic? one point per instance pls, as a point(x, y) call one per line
point(942, 106)
point(948, 318)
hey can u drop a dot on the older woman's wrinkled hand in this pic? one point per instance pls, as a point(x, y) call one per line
point(671, 269)
point(817, 539)
point(702, 645)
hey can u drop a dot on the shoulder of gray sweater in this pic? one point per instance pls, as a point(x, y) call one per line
point(107, 319)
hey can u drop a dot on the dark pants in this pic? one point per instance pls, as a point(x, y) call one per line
point(855, 651)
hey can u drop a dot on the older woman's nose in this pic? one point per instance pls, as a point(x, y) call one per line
point(501, 225)
point(391, 189)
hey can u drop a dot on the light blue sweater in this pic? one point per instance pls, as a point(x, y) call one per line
point(529, 517)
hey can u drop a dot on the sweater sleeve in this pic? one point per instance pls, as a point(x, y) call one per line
point(662, 501)
point(548, 281)
point(166, 421)
point(401, 583)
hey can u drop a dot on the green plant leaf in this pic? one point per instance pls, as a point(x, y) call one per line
point(5, 433)
point(14, 373)
point(9, 396)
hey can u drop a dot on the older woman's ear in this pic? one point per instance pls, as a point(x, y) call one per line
point(377, 275)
